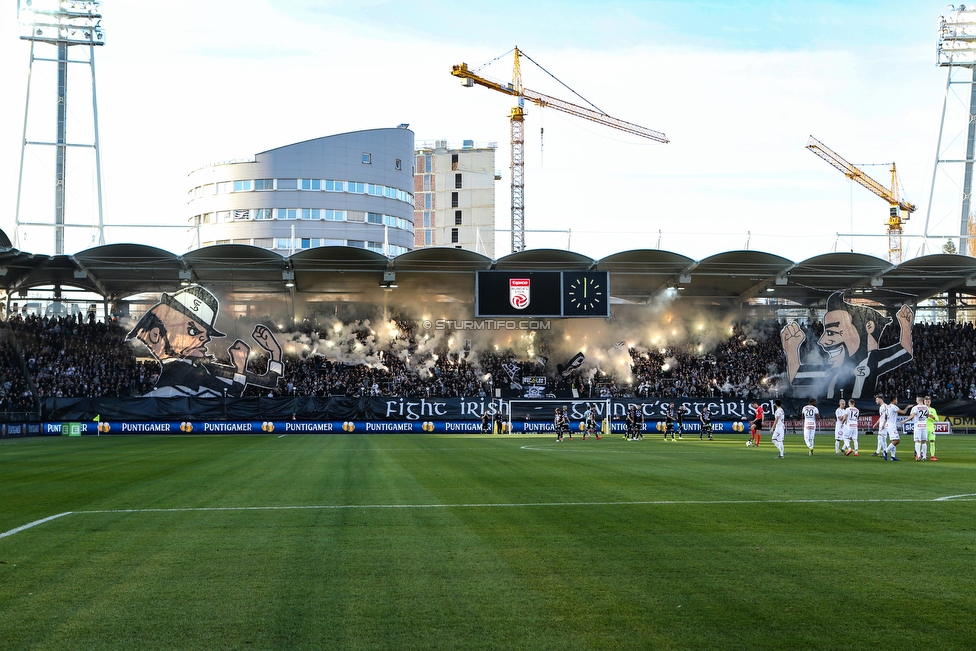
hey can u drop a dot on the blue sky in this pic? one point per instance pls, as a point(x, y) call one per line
point(737, 87)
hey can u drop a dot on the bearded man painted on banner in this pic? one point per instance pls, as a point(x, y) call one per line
point(177, 330)
point(851, 342)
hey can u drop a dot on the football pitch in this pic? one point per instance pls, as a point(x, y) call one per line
point(481, 542)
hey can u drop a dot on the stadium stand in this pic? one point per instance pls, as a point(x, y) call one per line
point(64, 356)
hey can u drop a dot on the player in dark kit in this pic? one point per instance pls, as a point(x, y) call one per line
point(669, 416)
point(630, 424)
point(706, 424)
point(679, 419)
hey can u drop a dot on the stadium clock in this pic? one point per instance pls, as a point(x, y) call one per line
point(585, 293)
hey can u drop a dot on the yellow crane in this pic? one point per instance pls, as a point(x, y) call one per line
point(470, 78)
point(899, 211)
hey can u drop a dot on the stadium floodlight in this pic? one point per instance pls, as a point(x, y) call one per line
point(957, 36)
point(68, 22)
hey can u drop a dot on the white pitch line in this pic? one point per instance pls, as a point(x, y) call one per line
point(34, 524)
point(953, 497)
point(971, 497)
point(495, 505)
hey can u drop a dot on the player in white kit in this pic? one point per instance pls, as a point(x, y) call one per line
point(840, 426)
point(810, 416)
point(893, 434)
point(920, 416)
point(882, 425)
point(779, 428)
point(853, 413)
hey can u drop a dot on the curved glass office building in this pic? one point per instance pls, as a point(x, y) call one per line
point(353, 189)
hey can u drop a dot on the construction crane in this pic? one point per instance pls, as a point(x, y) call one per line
point(899, 211)
point(470, 78)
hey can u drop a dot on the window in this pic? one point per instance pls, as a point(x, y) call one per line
point(226, 186)
point(306, 243)
point(263, 213)
point(457, 180)
point(310, 213)
point(428, 238)
point(333, 186)
point(242, 214)
point(376, 190)
point(198, 192)
point(454, 161)
point(287, 184)
point(335, 215)
point(454, 236)
point(426, 220)
point(457, 217)
point(454, 200)
point(398, 165)
point(428, 201)
point(428, 163)
point(398, 250)
point(333, 242)
point(287, 213)
point(208, 189)
point(282, 243)
point(359, 244)
point(311, 184)
point(426, 182)
point(242, 186)
point(264, 184)
point(263, 242)
point(207, 218)
point(374, 218)
point(223, 215)
point(223, 241)
point(353, 186)
point(367, 159)
point(375, 247)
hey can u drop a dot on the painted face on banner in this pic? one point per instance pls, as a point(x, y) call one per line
point(186, 337)
point(840, 339)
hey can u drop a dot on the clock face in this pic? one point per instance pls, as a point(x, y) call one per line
point(586, 294)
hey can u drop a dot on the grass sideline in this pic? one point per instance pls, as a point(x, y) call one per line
point(480, 542)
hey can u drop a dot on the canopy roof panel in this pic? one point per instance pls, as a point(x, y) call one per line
point(446, 274)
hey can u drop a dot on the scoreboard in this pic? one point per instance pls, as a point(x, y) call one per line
point(542, 294)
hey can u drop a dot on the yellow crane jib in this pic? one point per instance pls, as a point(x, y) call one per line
point(470, 78)
point(899, 211)
point(548, 101)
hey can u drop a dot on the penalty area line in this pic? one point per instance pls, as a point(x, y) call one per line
point(968, 497)
point(34, 524)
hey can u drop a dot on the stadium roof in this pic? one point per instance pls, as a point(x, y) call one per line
point(119, 271)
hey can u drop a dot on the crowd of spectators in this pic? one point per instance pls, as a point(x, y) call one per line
point(68, 357)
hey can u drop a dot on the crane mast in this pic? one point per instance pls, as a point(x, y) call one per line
point(517, 118)
point(899, 211)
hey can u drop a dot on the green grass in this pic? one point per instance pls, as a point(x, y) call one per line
point(469, 542)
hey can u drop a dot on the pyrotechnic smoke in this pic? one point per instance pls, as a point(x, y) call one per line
point(419, 328)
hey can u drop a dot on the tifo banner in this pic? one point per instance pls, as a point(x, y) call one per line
point(60, 410)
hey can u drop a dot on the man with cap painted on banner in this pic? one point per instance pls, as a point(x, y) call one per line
point(850, 340)
point(177, 330)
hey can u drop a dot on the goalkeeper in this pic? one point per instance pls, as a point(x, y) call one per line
point(933, 418)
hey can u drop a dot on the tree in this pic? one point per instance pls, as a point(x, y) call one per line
point(949, 247)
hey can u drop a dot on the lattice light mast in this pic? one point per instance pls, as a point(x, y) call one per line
point(61, 24)
point(956, 51)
